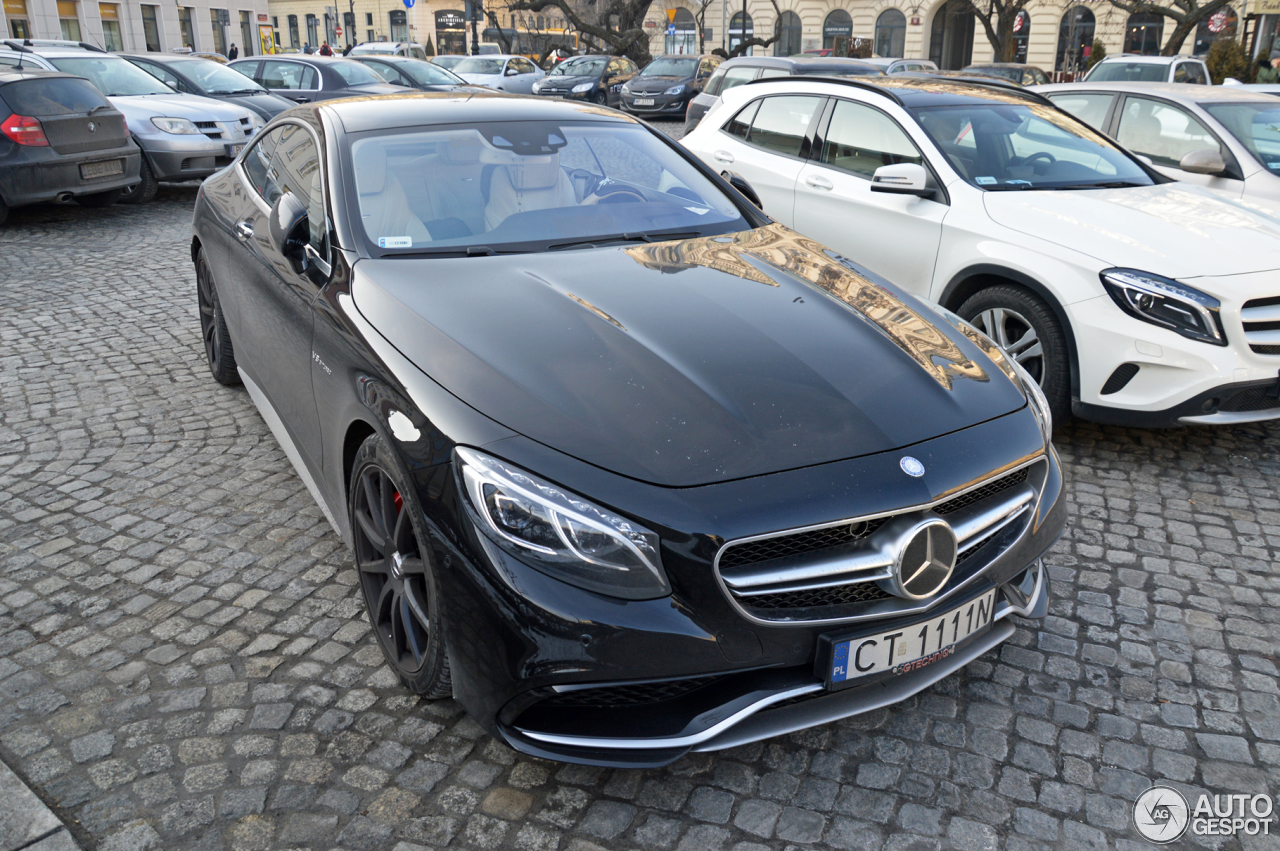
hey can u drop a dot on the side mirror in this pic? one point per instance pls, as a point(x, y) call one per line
point(902, 179)
point(511, 72)
point(1204, 161)
point(287, 217)
point(740, 183)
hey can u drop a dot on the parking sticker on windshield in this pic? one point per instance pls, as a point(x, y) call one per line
point(395, 242)
point(984, 181)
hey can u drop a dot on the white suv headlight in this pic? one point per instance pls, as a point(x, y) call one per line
point(562, 534)
point(181, 126)
point(1167, 303)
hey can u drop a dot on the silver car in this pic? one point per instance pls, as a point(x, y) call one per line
point(1222, 137)
point(182, 136)
point(503, 72)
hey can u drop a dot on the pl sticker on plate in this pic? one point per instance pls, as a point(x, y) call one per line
point(395, 242)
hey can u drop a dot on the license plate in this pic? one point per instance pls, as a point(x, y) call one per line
point(644, 101)
point(101, 169)
point(908, 648)
point(234, 150)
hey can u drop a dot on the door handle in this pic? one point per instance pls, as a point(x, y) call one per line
point(244, 230)
point(723, 156)
point(818, 183)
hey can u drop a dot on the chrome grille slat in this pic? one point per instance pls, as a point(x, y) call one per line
point(1259, 317)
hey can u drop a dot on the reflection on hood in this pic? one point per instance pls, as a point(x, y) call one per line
point(761, 254)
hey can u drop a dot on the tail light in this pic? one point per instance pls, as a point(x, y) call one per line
point(24, 130)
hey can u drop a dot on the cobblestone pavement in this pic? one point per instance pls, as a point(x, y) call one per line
point(185, 663)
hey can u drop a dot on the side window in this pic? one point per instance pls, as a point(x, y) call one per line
point(391, 73)
point(285, 75)
point(1195, 74)
point(257, 165)
point(1089, 108)
point(1180, 72)
point(310, 78)
point(781, 123)
point(704, 69)
point(730, 79)
point(159, 73)
point(524, 66)
point(614, 68)
point(418, 53)
point(1162, 132)
point(766, 73)
point(286, 160)
point(861, 139)
point(741, 123)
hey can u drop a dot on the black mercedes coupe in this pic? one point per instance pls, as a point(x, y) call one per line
point(627, 468)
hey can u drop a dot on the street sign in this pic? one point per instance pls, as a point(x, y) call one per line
point(408, 4)
point(337, 31)
point(671, 29)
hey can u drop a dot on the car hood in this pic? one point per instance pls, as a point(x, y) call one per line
point(563, 80)
point(191, 107)
point(691, 362)
point(266, 104)
point(1172, 229)
point(656, 84)
point(483, 79)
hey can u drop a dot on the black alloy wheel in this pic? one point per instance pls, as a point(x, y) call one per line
point(1028, 331)
point(218, 351)
point(601, 98)
point(396, 574)
point(144, 190)
point(99, 199)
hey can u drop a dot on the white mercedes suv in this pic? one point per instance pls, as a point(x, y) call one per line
point(1133, 299)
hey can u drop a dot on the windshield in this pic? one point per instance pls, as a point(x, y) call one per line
point(1128, 72)
point(217, 79)
point(450, 62)
point(580, 66)
point(376, 47)
point(479, 65)
point(425, 74)
point(356, 74)
point(1255, 125)
point(113, 76)
point(1001, 146)
point(1012, 74)
point(527, 186)
point(670, 68)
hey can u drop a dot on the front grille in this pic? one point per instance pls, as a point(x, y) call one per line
point(640, 694)
point(979, 494)
point(1254, 399)
point(1261, 320)
point(800, 543)
point(210, 128)
point(836, 572)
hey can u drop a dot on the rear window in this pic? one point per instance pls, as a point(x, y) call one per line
point(52, 96)
point(355, 74)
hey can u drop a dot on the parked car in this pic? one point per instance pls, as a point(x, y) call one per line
point(565, 467)
point(1014, 72)
point(199, 76)
point(743, 69)
point(307, 77)
point(60, 139)
point(1131, 68)
point(667, 84)
point(411, 49)
point(414, 73)
point(212, 57)
point(504, 72)
point(182, 136)
point(448, 61)
point(1131, 298)
point(1225, 138)
point(598, 79)
point(901, 66)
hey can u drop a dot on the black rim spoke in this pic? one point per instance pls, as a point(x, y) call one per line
point(370, 528)
point(417, 606)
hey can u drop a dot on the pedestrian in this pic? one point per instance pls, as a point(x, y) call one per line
point(1269, 71)
point(234, 52)
point(306, 47)
point(326, 50)
point(348, 49)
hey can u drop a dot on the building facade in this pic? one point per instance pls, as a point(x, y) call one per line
point(437, 24)
point(1056, 35)
point(133, 26)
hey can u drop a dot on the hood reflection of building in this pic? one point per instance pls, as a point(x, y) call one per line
point(762, 254)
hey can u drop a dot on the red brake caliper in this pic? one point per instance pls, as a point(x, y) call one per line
point(398, 501)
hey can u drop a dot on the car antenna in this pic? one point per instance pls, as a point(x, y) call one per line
point(18, 48)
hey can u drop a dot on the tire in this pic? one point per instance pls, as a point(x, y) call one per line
point(1029, 332)
point(218, 351)
point(600, 99)
point(145, 190)
point(99, 199)
point(396, 572)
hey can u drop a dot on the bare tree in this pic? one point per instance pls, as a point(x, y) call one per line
point(616, 27)
point(997, 18)
point(1186, 15)
point(747, 43)
point(700, 17)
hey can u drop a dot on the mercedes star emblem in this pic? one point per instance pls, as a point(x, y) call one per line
point(911, 466)
point(397, 565)
point(925, 560)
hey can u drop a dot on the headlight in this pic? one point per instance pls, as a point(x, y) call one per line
point(562, 534)
point(1166, 303)
point(674, 90)
point(537, 87)
point(1036, 400)
point(584, 87)
point(626, 88)
point(176, 125)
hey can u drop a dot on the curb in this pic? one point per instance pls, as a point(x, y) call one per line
point(26, 824)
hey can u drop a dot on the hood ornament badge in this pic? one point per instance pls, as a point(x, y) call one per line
point(911, 466)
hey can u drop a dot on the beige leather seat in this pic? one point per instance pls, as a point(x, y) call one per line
point(453, 183)
point(537, 183)
point(383, 206)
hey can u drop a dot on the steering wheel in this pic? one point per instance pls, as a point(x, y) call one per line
point(589, 182)
point(615, 194)
point(1039, 155)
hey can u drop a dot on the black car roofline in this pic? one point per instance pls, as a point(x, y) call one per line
point(887, 91)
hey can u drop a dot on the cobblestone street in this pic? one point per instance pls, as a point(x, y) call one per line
point(185, 661)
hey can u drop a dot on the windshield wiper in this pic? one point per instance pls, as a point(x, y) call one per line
point(1114, 184)
point(591, 242)
point(1020, 185)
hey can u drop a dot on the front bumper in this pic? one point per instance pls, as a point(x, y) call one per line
point(188, 157)
point(518, 637)
point(662, 104)
point(52, 175)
